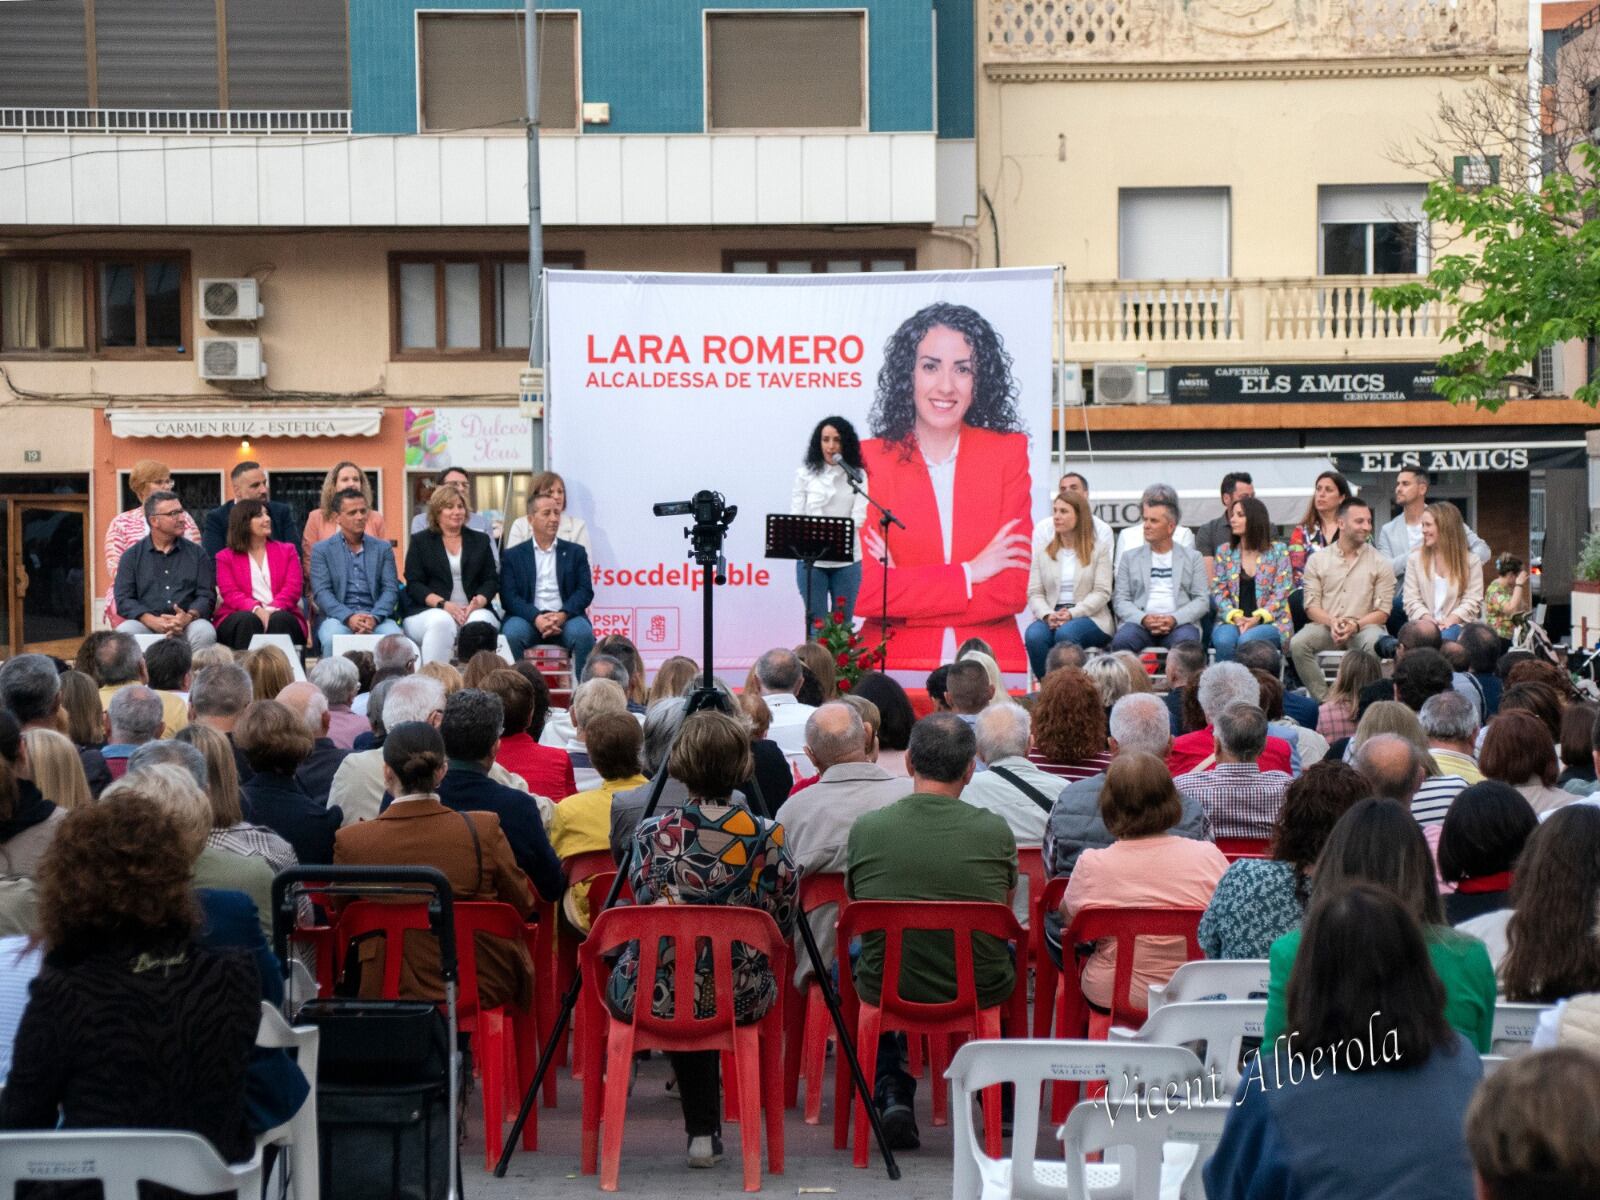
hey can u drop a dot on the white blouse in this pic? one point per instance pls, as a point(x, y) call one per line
point(1069, 576)
point(458, 593)
point(826, 493)
point(260, 580)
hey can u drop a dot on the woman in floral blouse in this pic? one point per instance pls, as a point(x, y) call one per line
point(1250, 585)
point(1260, 899)
point(1507, 597)
point(711, 851)
point(127, 528)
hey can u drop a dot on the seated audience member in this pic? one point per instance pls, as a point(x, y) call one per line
point(1185, 662)
point(1069, 586)
point(814, 657)
point(1250, 583)
point(217, 700)
point(525, 698)
point(1508, 600)
point(1138, 677)
point(134, 717)
point(773, 776)
point(37, 696)
point(1302, 710)
point(1240, 799)
point(82, 715)
point(128, 527)
point(471, 725)
point(373, 738)
point(1552, 945)
point(1451, 725)
point(603, 666)
point(323, 521)
point(210, 656)
point(457, 480)
point(1148, 866)
point(57, 769)
point(1421, 674)
point(366, 670)
point(710, 851)
point(778, 675)
point(1259, 900)
point(353, 578)
point(1517, 749)
point(481, 663)
point(895, 719)
point(1538, 699)
point(1305, 745)
point(1011, 787)
point(935, 686)
point(582, 822)
point(1069, 727)
point(929, 846)
point(817, 821)
point(259, 580)
point(1222, 684)
point(307, 701)
point(1479, 844)
point(1340, 710)
point(114, 897)
point(338, 680)
point(589, 699)
point(269, 671)
point(1110, 676)
point(469, 848)
point(120, 664)
point(660, 727)
point(1364, 998)
point(29, 820)
point(1443, 580)
point(1392, 756)
point(621, 648)
point(1377, 842)
point(1161, 592)
point(165, 583)
point(571, 529)
point(671, 678)
point(168, 670)
point(447, 675)
point(395, 654)
point(1526, 1148)
point(1577, 748)
point(968, 689)
point(276, 743)
point(1348, 590)
point(1483, 654)
point(450, 577)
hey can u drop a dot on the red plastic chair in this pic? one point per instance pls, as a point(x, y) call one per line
point(757, 1049)
point(1046, 976)
point(1236, 848)
point(361, 918)
point(580, 868)
point(940, 1023)
point(599, 889)
point(808, 1025)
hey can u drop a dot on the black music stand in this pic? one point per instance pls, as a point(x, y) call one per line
point(810, 540)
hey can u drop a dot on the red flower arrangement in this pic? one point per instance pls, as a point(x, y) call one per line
point(851, 656)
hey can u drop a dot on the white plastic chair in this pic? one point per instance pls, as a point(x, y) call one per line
point(1514, 1027)
point(1492, 1063)
point(1221, 1024)
point(1029, 1063)
point(296, 1137)
point(1090, 1127)
point(1206, 979)
point(302, 984)
point(121, 1159)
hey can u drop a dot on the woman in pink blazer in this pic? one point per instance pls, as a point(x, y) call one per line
point(259, 580)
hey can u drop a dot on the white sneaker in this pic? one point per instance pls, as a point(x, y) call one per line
point(705, 1151)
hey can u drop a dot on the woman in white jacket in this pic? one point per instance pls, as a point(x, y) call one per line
point(1069, 605)
point(822, 489)
point(1444, 583)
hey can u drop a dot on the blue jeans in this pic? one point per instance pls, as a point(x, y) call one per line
point(1450, 632)
point(330, 629)
point(577, 635)
point(1040, 638)
point(1225, 638)
point(1137, 637)
point(830, 587)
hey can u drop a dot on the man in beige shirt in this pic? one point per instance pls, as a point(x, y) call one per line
point(1348, 589)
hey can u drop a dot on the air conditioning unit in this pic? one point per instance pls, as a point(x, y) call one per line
point(1121, 383)
point(1072, 384)
point(230, 300)
point(231, 358)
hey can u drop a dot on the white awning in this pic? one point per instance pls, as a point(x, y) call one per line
point(243, 422)
point(1283, 481)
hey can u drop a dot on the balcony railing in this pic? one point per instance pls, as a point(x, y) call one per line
point(168, 121)
point(1320, 316)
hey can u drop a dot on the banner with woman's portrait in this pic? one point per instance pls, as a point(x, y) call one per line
point(933, 389)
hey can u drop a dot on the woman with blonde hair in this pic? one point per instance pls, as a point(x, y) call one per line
point(1138, 677)
point(1392, 717)
point(57, 769)
point(127, 528)
point(672, 677)
point(1110, 676)
point(320, 525)
point(815, 658)
point(82, 712)
point(451, 577)
point(1336, 717)
point(446, 674)
point(571, 529)
point(1444, 583)
point(1069, 585)
point(269, 671)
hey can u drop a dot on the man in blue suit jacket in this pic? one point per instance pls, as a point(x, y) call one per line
point(353, 578)
point(249, 483)
point(546, 589)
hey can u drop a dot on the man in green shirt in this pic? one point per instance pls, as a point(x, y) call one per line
point(931, 845)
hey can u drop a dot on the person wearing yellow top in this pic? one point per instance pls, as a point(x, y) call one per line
point(582, 822)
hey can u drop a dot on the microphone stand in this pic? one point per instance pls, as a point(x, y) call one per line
point(885, 519)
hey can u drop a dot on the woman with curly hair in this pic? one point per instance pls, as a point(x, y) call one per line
point(132, 1022)
point(1552, 948)
point(822, 489)
point(1069, 726)
point(949, 456)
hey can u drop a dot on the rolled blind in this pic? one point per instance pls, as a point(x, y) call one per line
point(43, 61)
point(1173, 233)
point(778, 70)
point(472, 74)
point(288, 54)
point(1375, 203)
point(156, 53)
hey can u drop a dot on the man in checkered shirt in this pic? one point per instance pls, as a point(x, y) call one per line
point(1239, 798)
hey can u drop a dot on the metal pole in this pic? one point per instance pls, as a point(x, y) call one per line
point(530, 56)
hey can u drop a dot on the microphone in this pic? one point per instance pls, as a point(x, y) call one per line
point(851, 472)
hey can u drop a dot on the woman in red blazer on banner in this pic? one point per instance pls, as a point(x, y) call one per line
point(259, 580)
point(950, 459)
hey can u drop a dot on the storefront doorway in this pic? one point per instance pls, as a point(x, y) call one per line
point(44, 548)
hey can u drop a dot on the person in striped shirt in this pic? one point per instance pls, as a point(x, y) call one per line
point(1397, 770)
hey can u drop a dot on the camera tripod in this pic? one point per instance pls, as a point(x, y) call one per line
point(712, 516)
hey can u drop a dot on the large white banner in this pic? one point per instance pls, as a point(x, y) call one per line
point(662, 385)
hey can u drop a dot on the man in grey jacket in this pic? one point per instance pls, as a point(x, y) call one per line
point(1139, 722)
point(1403, 534)
point(1161, 591)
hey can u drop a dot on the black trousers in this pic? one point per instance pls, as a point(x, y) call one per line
point(238, 628)
point(697, 1072)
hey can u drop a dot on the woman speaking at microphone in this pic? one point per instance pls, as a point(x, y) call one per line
point(822, 489)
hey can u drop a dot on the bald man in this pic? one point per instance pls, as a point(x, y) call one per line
point(306, 701)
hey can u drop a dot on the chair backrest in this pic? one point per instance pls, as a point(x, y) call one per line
point(960, 918)
point(1221, 1024)
point(361, 918)
point(1092, 1127)
point(1514, 1027)
point(824, 888)
point(1233, 849)
point(600, 888)
point(1030, 865)
point(494, 918)
point(684, 927)
point(1125, 925)
point(1213, 979)
point(121, 1159)
point(1028, 1064)
point(587, 865)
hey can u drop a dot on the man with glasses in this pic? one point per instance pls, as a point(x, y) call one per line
point(165, 583)
point(126, 528)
